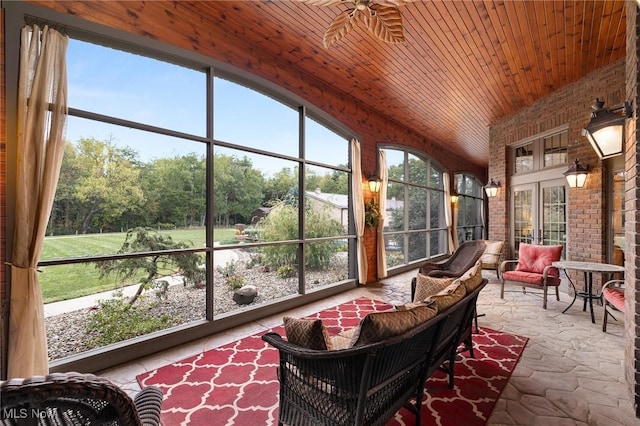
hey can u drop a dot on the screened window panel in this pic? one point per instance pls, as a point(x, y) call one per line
point(133, 87)
point(267, 124)
point(417, 246)
point(418, 199)
point(323, 145)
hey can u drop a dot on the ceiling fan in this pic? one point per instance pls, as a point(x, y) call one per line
point(382, 18)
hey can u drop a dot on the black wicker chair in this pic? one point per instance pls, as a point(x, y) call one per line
point(465, 256)
point(76, 399)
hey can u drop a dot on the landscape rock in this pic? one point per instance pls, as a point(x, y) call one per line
point(245, 295)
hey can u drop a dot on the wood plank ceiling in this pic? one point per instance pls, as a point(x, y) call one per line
point(464, 64)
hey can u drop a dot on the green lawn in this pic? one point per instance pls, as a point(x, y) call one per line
point(71, 281)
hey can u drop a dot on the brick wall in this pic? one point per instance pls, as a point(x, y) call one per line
point(632, 222)
point(587, 206)
point(568, 106)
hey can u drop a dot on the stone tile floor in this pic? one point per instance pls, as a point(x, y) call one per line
point(570, 373)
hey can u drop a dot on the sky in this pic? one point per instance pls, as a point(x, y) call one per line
point(136, 88)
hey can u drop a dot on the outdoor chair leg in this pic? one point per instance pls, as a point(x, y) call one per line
point(469, 346)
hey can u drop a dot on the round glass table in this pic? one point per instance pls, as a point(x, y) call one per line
point(588, 269)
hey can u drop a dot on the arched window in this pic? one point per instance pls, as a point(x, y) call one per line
point(415, 226)
point(470, 224)
point(187, 182)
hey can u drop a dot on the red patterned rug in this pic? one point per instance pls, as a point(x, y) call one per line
point(236, 384)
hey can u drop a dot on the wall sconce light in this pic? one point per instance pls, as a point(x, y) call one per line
point(374, 184)
point(577, 174)
point(492, 188)
point(605, 131)
point(454, 197)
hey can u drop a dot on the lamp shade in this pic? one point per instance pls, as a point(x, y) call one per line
point(605, 131)
point(576, 175)
point(492, 188)
point(374, 184)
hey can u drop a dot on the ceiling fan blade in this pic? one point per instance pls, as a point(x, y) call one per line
point(326, 2)
point(340, 27)
point(393, 2)
point(385, 22)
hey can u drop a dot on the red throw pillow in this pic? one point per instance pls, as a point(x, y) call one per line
point(534, 258)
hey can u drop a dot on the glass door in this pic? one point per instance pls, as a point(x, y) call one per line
point(523, 216)
point(616, 233)
point(554, 214)
point(539, 214)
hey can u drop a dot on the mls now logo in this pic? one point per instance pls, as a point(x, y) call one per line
point(23, 413)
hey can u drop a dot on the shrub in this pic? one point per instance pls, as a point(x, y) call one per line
point(235, 282)
point(394, 258)
point(286, 271)
point(228, 270)
point(282, 224)
point(117, 320)
point(254, 259)
point(227, 241)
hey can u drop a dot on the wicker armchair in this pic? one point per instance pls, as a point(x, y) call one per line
point(76, 399)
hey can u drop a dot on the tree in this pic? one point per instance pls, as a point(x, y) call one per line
point(175, 190)
point(312, 180)
point(277, 187)
point(335, 183)
point(100, 184)
point(155, 265)
point(63, 212)
point(237, 188)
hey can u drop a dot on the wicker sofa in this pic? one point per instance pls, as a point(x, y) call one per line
point(368, 384)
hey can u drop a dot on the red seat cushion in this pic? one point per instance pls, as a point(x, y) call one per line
point(533, 278)
point(615, 297)
point(534, 258)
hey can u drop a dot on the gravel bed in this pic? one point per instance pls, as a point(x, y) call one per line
point(66, 333)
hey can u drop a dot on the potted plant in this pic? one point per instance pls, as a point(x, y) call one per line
point(372, 214)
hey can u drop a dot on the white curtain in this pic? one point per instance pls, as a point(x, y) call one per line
point(483, 212)
point(454, 227)
point(448, 211)
point(358, 210)
point(381, 256)
point(42, 111)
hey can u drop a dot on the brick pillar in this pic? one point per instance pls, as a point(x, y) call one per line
point(370, 240)
point(498, 206)
point(632, 215)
